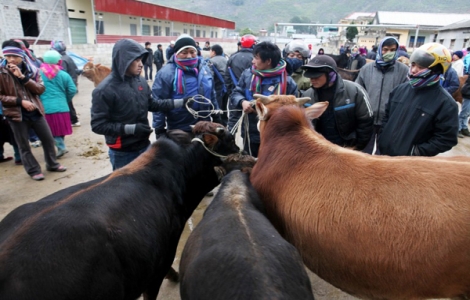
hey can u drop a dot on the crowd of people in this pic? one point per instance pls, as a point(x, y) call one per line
point(390, 109)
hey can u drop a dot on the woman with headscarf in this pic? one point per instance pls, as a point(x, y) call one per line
point(20, 87)
point(59, 89)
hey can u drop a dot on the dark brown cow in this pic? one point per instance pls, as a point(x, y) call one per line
point(113, 238)
point(377, 227)
point(95, 73)
point(457, 95)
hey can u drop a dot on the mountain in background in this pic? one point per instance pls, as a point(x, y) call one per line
point(262, 14)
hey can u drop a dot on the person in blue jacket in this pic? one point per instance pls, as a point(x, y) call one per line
point(267, 76)
point(184, 76)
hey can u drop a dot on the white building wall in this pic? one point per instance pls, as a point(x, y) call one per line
point(457, 39)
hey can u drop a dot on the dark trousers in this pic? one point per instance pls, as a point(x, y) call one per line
point(40, 126)
point(146, 69)
point(73, 113)
point(373, 142)
point(253, 147)
point(158, 67)
point(120, 159)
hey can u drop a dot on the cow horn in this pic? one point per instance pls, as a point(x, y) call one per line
point(303, 100)
point(264, 99)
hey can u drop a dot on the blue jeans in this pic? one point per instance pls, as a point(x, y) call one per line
point(464, 114)
point(119, 158)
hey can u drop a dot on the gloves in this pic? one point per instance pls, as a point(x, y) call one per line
point(216, 118)
point(160, 132)
point(181, 102)
point(137, 129)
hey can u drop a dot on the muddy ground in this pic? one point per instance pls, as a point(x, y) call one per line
point(88, 159)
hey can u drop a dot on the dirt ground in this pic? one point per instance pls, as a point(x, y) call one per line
point(88, 159)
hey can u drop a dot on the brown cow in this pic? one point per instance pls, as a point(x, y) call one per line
point(377, 227)
point(457, 95)
point(95, 73)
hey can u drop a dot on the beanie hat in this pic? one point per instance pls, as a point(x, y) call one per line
point(58, 46)
point(362, 51)
point(459, 53)
point(184, 41)
point(51, 57)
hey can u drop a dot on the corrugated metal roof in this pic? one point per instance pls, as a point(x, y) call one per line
point(356, 15)
point(457, 25)
point(415, 18)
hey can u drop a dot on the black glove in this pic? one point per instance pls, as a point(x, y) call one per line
point(160, 132)
point(216, 118)
point(142, 130)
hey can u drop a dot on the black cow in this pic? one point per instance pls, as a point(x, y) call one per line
point(115, 237)
point(235, 253)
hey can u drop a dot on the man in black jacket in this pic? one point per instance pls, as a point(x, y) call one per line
point(120, 105)
point(158, 57)
point(148, 65)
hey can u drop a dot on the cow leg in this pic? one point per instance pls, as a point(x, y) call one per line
point(172, 275)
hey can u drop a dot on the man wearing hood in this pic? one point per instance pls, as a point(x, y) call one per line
point(348, 120)
point(120, 104)
point(379, 79)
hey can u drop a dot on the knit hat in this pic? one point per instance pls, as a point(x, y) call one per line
point(58, 46)
point(51, 57)
point(459, 53)
point(362, 51)
point(184, 41)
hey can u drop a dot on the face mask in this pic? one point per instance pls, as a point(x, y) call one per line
point(388, 56)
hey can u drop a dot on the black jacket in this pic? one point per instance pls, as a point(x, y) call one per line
point(352, 112)
point(70, 67)
point(149, 60)
point(119, 100)
point(419, 122)
point(238, 62)
point(158, 57)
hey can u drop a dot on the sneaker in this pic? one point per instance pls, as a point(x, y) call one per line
point(460, 135)
point(76, 124)
point(58, 169)
point(18, 162)
point(36, 144)
point(38, 177)
point(61, 153)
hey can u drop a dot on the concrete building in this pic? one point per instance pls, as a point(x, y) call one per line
point(415, 29)
point(455, 36)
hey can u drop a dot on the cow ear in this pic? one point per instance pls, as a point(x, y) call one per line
point(316, 110)
point(261, 109)
point(210, 140)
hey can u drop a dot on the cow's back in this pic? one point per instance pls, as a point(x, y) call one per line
point(235, 253)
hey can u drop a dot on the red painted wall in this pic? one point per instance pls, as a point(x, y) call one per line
point(147, 10)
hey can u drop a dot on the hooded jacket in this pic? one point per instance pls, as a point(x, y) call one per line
point(120, 99)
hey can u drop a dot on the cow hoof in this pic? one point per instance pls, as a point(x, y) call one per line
point(172, 275)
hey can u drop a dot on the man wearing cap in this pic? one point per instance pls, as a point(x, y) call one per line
point(20, 87)
point(120, 104)
point(348, 120)
point(379, 79)
point(170, 50)
point(184, 76)
point(457, 62)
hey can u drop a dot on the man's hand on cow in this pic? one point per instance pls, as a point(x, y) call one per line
point(247, 107)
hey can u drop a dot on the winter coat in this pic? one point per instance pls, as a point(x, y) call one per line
point(163, 88)
point(69, 66)
point(169, 52)
point(419, 121)
point(220, 63)
point(119, 100)
point(149, 61)
point(242, 92)
point(59, 90)
point(356, 63)
point(158, 57)
point(13, 90)
point(379, 82)
point(238, 62)
point(352, 112)
point(450, 81)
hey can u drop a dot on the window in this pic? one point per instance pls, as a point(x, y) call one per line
point(167, 31)
point(204, 33)
point(419, 42)
point(99, 27)
point(452, 44)
point(465, 43)
point(133, 29)
point(441, 41)
point(198, 33)
point(212, 34)
point(29, 21)
point(191, 32)
point(145, 29)
point(157, 30)
point(185, 31)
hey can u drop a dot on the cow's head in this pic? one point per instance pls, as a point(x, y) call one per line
point(215, 138)
point(88, 70)
point(267, 105)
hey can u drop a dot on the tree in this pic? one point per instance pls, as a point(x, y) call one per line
point(245, 31)
point(351, 33)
